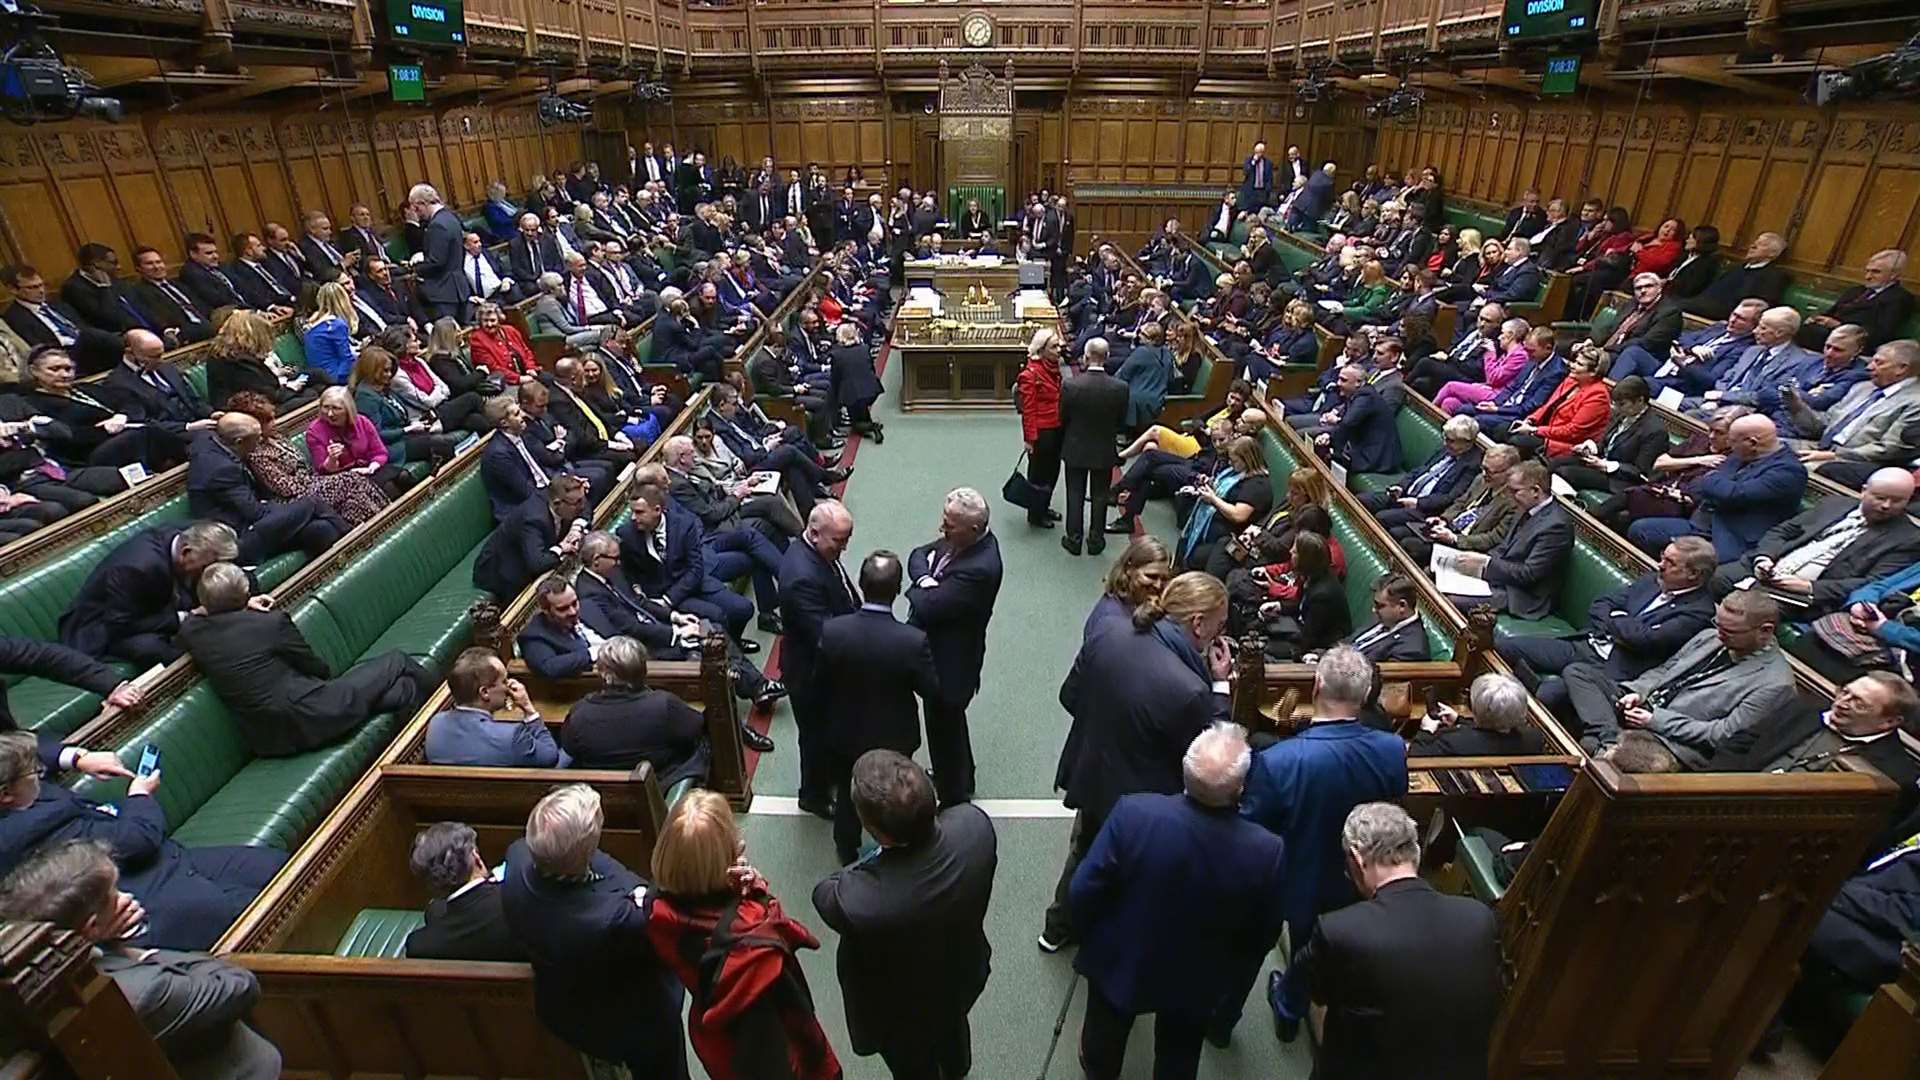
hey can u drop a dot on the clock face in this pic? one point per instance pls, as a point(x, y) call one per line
point(977, 30)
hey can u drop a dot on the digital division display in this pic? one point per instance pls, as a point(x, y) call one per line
point(428, 22)
point(1531, 19)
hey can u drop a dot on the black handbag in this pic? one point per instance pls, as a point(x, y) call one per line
point(1023, 492)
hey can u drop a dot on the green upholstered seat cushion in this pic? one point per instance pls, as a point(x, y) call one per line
point(1373, 481)
point(1365, 565)
point(437, 627)
point(1200, 380)
point(643, 349)
point(278, 802)
point(380, 932)
point(1294, 257)
point(31, 602)
point(201, 751)
point(1476, 859)
point(1420, 437)
point(1280, 462)
point(1224, 251)
point(289, 349)
point(676, 791)
point(55, 708)
point(196, 376)
point(1551, 626)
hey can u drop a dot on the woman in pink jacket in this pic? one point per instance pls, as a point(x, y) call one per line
point(1503, 363)
point(340, 439)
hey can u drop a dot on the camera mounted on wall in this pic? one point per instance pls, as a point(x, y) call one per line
point(36, 85)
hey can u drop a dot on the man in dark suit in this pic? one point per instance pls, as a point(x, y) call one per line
point(514, 468)
point(1526, 218)
point(1553, 242)
point(558, 642)
point(582, 917)
point(1158, 861)
point(1428, 489)
point(221, 488)
point(464, 919)
point(56, 663)
point(259, 287)
point(1518, 281)
point(285, 697)
point(1410, 977)
point(1524, 569)
point(204, 280)
point(167, 308)
point(1818, 557)
point(192, 895)
point(1760, 275)
point(814, 588)
point(1314, 200)
point(325, 259)
point(1396, 633)
point(1093, 409)
point(913, 955)
point(360, 234)
point(375, 291)
point(663, 550)
point(1301, 789)
point(1864, 723)
point(1362, 437)
point(437, 267)
point(41, 321)
point(531, 253)
point(869, 667)
point(955, 581)
point(1880, 305)
point(1628, 630)
point(532, 537)
point(129, 607)
point(1649, 328)
point(93, 293)
point(145, 385)
point(1256, 180)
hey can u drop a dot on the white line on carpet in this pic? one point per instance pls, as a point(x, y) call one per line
point(788, 806)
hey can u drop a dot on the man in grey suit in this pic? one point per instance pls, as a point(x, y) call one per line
point(1815, 559)
point(470, 733)
point(193, 1005)
point(1093, 408)
point(1877, 423)
point(1724, 681)
point(550, 316)
point(1524, 569)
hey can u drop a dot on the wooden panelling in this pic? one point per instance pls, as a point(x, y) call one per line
point(135, 183)
point(1840, 187)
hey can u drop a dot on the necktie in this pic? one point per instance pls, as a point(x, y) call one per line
point(60, 324)
point(232, 289)
point(580, 299)
point(1717, 661)
point(134, 312)
point(1429, 479)
point(154, 380)
point(533, 467)
point(186, 306)
point(478, 288)
point(1626, 326)
point(268, 278)
point(333, 253)
point(1839, 428)
point(846, 583)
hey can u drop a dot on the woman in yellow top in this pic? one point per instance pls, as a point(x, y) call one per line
point(1186, 444)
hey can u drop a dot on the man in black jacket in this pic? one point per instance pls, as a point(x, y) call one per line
point(464, 919)
point(283, 694)
point(1818, 557)
point(1881, 305)
point(221, 488)
point(1405, 959)
point(324, 258)
point(913, 954)
point(955, 581)
point(169, 311)
point(532, 538)
point(93, 292)
point(869, 669)
point(1093, 410)
point(204, 280)
point(129, 607)
point(41, 321)
point(437, 268)
point(532, 253)
point(145, 385)
point(259, 287)
point(1629, 630)
point(1759, 276)
point(1651, 325)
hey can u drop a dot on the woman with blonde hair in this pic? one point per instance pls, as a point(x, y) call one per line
point(719, 928)
point(288, 473)
point(329, 333)
point(241, 359)
point(340, 440)
point(446, 354)
point(1237, 496)
point(1138, 694)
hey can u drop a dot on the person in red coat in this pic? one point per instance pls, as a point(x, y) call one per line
point(1577, 410)
point(1036, 394)
point(498, 346)
point(715, 925)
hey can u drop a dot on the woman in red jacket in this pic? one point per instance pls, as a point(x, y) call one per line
point(498, 346)
point(1578, 409)
point(1036, 394)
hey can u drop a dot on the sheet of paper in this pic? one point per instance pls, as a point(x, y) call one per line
point(764, 483)
point(1448, 578)
point(1670, 398)
point(1560, 487)
point(1339, 473)
point(133, 473)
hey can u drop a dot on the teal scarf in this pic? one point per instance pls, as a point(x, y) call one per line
point(1203, 513)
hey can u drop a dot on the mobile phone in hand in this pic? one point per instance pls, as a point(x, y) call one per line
point(149, 761)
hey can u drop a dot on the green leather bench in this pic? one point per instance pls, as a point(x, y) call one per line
point(1234, 245)
point(408, 591)
point(1420, 439)
point(380, 932)
point(1460, 216)
point(1589, 575)
point(1477, 859)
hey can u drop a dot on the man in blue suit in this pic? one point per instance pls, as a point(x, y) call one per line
point(1302, 789)
point(191, 894)
point(1174, 901)
point(1700, 357)
point(469, 732)
point(437, 267)
point(814, 587)
point(1256, 180)
point(514, 468)
point(663, 550)
point(1517, 282)
point(1364, 438)
point(129, 607)
point(532, 539)
point(149, 389)
point(1757, 487)
point(955, 581)
point(1528, 391)
point(1628, 630)
point(1772, 360)
point(221, 488)
point(597, 982)
point(1446, 475)
point(1314, 199)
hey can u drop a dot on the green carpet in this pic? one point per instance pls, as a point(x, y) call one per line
point(1017, 725)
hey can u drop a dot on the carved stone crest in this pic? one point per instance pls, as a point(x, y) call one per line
point(976, 92)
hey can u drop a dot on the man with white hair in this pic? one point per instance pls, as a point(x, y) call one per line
point(1771, 360)
point(1302, 789)
point(814, 587)
point(953, 584)
point(436, 266)
point(1880, 304)
point(597, 982)
point(1173, 902)
point(1406, 959)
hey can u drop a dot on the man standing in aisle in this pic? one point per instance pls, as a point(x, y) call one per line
point(1093, 408)
point(814, 587)
point(955, 581)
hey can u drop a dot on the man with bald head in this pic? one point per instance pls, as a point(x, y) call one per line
point(220, 487)
point(1757, 487)
point(1770, 362)
point(814, 587)
point(150, 390)
point(1815, 559)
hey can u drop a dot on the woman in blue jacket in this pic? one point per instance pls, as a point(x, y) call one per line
point(327, 336)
